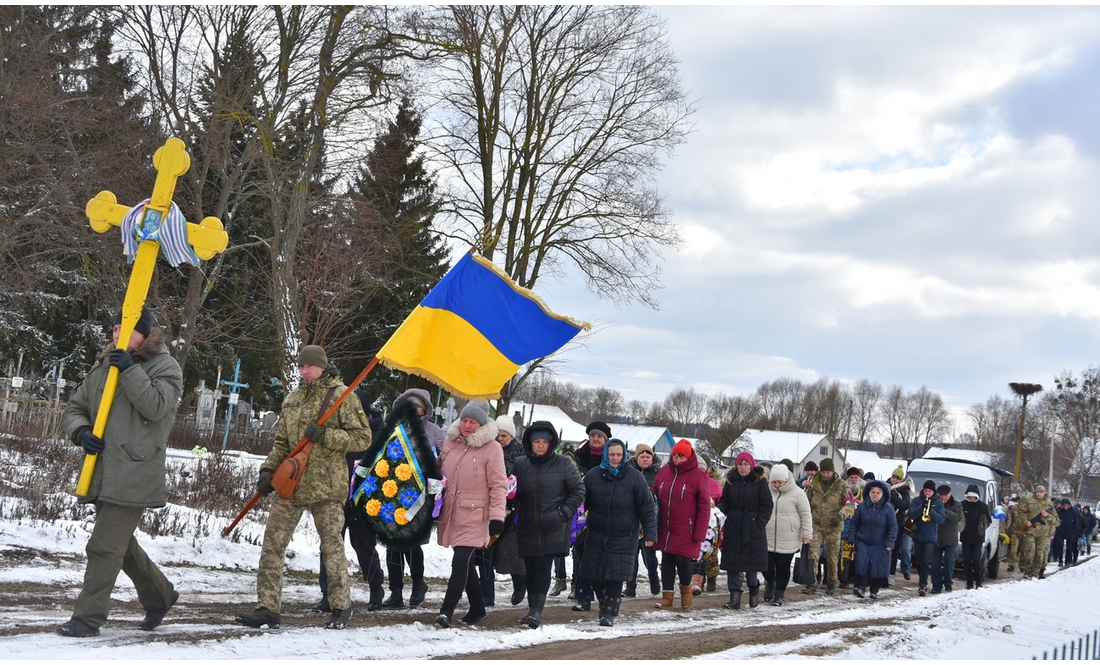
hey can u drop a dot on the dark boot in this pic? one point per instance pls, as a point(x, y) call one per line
point(338, 620)
point(419, 590)
point(322, 607)
point(473, 616)
point(443, 620)
point(735, 601)
point(377, 595)
point(260, 618)
point(76, 628)
point(535, 603)
point(712, 584)
point(631, 590)
point(810, 588)
point(769, 589)
point(559, 586)
point(395, 600)
point(655, 587)
point(608, 611)
point(154, 617)
point(778, 599)
point(582, 605)
point(754, 595)
point(519, 589)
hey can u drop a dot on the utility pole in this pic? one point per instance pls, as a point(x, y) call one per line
point(1024, 390)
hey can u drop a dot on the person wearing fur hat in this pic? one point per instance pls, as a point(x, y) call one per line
point(683, 517)
point(396, 558)
point(847, 535)
point(747, 504)
point(473, 505)
point(829, 501)
point(549, 490)
point(926, 532)
point(648, 464)
point(789, 528)
point(322, 491)
point(875, 528)
point(128, 476)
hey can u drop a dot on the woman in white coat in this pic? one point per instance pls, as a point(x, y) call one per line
point(790, 527)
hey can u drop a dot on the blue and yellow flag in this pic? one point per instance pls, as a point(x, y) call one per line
point(474, 330)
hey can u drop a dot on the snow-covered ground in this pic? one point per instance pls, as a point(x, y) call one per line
point(1012, 620)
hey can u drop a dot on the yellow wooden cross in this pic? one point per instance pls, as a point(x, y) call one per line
point(208, 238)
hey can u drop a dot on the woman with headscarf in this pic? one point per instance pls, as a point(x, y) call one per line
point(618, 502)
point(791, 526)
point(549, 489)
point(683, 516)
point(747, 503)
point(473, 505)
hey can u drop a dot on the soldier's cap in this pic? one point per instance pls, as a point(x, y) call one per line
point(1040, 488)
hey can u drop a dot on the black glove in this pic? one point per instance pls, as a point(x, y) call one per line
point(263, 485)
point(496, 527)
point(120, 359)
point(316, 433)
point(92, 444)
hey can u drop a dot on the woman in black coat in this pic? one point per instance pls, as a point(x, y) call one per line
point(618, 502)
point(747, 503)
point(549, 489)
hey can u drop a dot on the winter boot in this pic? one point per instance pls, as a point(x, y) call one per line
point(778, 599)
point(154, 617)
point(419, 590)
point(260, 618)
point(582, 605)
point(473, 616)
point(769, 590)
point(535, 603)
point(377, 595)
point(395, 600)
point(735, 601)
point(830, 590)
point(655, 587)
point(754, 595)
point(666, 599)
point(712, 584)
point(76, 628)
point(322, 607)
point(697, 585)
point(809, 588)
point(609, 611)
point(631, 590)
point(338, 620)
point(443, 620)
point(519, 589)
point(686, 596)
point(559, 586)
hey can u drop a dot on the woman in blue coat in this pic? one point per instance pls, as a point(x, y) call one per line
point(875, 527)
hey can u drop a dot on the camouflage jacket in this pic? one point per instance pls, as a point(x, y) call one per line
point(326, 475)
point(827, 503)
point(1030, 507)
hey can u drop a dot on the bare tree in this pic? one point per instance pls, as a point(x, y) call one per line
point(866, 396)
point(686, 409)
point(730, 415)
point(1076, 404)
point(636, 411)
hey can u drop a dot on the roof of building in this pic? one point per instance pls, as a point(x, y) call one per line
point(569, 431)
point(658, 437)
point(772, 445)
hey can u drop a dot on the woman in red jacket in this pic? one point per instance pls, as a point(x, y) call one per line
point(683, 514)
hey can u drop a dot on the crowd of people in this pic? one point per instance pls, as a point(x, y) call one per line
point(516, 504)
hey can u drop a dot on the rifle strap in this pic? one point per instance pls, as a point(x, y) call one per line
point(326, 401)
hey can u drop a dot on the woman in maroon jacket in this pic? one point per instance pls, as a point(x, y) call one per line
point(683, 514)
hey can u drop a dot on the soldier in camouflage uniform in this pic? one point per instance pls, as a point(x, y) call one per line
point(322, 491)
point(1038, 516)
point(1014, 528)
point(828, 495)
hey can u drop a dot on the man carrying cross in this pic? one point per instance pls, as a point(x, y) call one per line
point(129, 471)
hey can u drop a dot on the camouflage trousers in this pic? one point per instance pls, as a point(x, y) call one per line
point(1014, 546)
point(328, 517)
point(1033, 559)
point(831, 540)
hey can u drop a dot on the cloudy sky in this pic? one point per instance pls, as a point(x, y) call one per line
point(907, 195)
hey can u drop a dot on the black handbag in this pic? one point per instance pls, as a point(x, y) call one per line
point(804, 572)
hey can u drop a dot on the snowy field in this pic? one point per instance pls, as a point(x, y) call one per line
point(1011, 620)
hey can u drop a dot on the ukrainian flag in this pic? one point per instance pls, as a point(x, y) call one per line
point(474, 330)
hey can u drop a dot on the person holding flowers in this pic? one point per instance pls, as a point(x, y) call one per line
point(473, 505)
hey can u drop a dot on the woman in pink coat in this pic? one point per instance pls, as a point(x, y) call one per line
point(473, 505)
point(683, 515)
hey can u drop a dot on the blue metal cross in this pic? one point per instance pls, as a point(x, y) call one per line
point(234, 388)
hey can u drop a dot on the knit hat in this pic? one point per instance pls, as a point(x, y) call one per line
point(479, 411)
point(930, 485)
point(1066, 502)
point(642, 448)
point(598, 426)
point(746, 456)
point(810, 466)
point(787, 463)
point(826, 464)
point(899, 472)
point(972, 490)
point(683, 447)
point(313, 355)
point(1040, 488)
point(869, 476)
point(779, 473)
point(853, 471)
point(943, 489)
point(144, 324)
point(505, 424)
point(533, 432)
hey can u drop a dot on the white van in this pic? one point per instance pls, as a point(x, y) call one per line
point(958, 474)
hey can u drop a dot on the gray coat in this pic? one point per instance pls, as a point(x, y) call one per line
point(948, 533)
point(617, 507)
point(130, 470)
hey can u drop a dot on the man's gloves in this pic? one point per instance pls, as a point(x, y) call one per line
point(263, 485)
point(120, 359)
point(316, 433)
point(496, 527)
point(92, 444)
